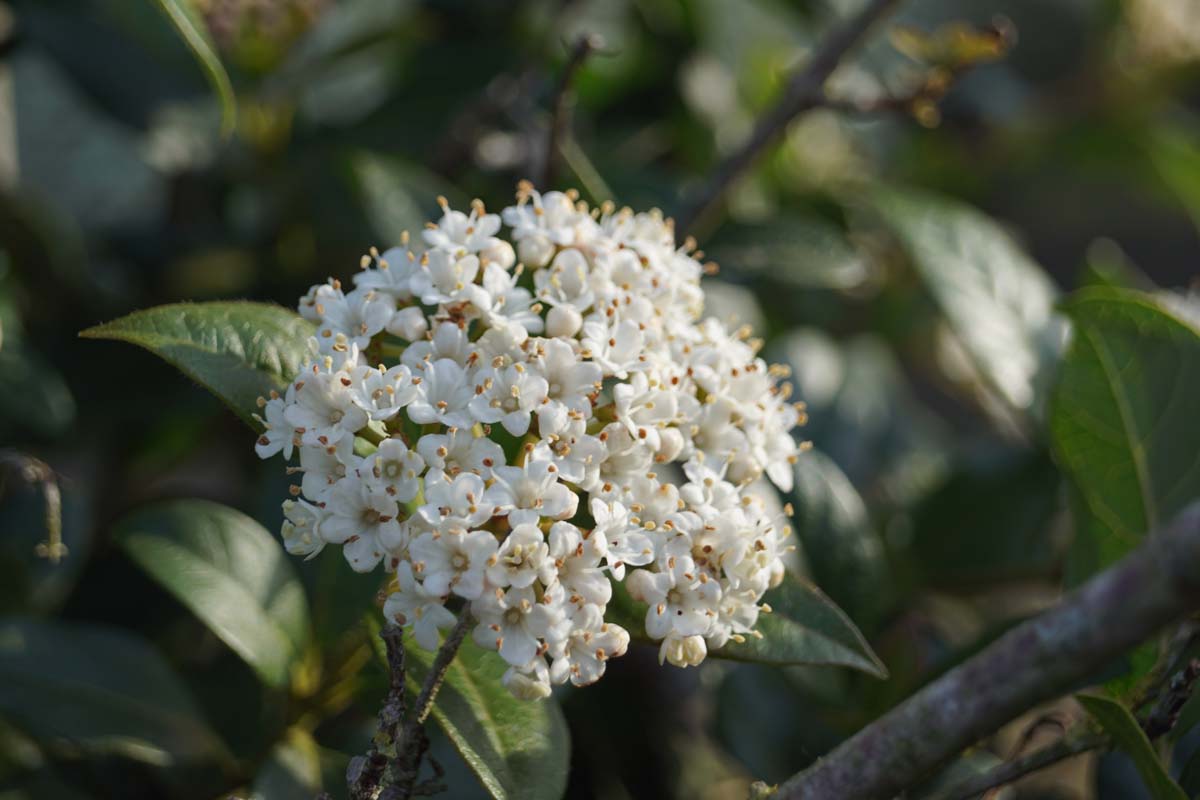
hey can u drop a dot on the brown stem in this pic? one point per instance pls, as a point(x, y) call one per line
point(560, 115)
point(413, 743)
point(1036, 661)
point(1066, 747)
point(366, 773)
point(805, 92)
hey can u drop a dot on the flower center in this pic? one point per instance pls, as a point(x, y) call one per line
point(458, 561)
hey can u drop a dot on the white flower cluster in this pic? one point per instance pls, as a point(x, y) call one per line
point(491, 423)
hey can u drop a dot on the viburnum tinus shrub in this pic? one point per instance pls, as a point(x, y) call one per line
point(524, 407)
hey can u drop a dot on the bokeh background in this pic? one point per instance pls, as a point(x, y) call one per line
point(930, 508)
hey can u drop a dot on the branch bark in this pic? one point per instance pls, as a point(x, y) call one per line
point(1040, 659)
point(805, 92)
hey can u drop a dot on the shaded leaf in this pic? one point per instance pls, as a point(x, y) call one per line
point(798, 252)
point(398, 196)
point(997, 301)
point(191, 28)
point(1122, 420)
point(841, 546)
point(804, 628)
point(516, 748)
point(1115, 720)
point(990, 520)
point(231, 573)
point(238, 351)
point(105, 690)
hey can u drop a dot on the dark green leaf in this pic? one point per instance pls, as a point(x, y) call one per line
point(997, 301)
point(804, 628)
point(517, 748)
point(238, 351)
point(105, 690)
point(231, 573)
point(842, 549)
point(194, 32)
point(1123, 419)
point(1115, 720)
point(293, 769)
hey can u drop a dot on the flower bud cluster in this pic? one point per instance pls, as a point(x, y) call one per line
point(518, 420)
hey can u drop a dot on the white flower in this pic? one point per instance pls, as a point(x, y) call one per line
point(278, 435)
point(508, 395)
point(453, 562)
point(520, 557)
point(301, 528)
point(382, 393)
point(443, 394)
point(412, 604)
point(395, 469)
point(325, 409)
point(531, 491)
point(364, 521)
point(458, 231)
point(456, 502)
point(583, 655)
point(616, 350)
point(459, 450)
point(515, 623)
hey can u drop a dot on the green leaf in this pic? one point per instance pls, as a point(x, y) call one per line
point(517, 748)
point(1115, 720)
point(842, 548)
point(105, 690)
point(231, 573)
point(1123, 419)
point(998, 303)
point(192, 29)
point(796, 252)
point(398, 196)
point(238, 351)
point(804, 628)
point(293, 769)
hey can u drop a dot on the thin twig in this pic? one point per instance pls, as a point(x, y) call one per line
point(365, 774)
point(560, 106)
point(804, 92)
point(1066, 747)
point(35, 472)
point(1159, 722)
point(413, 742)
point(1034, 662)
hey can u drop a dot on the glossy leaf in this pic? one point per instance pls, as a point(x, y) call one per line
point(797, 252)
point(106, 690)
point(516, 748)
point(842, 548)
point(231, 573)
point(997, 301)
point(1123, 419)
point(192, 29)
point(804, 627)
point(1115, 720)
point(238, 351)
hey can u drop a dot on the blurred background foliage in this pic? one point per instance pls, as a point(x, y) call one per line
point(906, 264)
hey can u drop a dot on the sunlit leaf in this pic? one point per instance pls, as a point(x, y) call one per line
point(1115, 720)
point(516, 748)
point(105, 690)
point(238, 351)
point(1123, 419)
point(191, 28)
point(231, 573)
point(997, 301)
